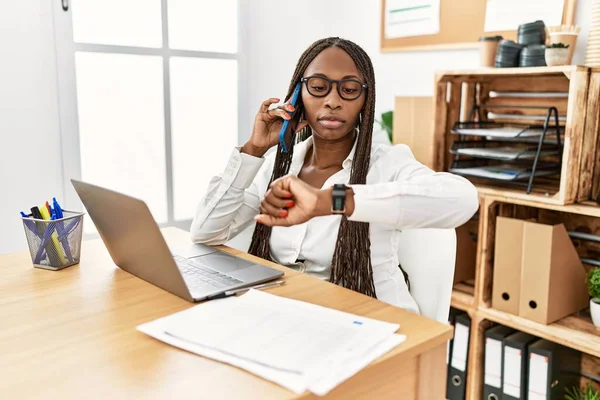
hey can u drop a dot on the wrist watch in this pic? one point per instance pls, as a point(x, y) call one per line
point(338, 199)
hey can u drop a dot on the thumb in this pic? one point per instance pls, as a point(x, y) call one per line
point(301, 125)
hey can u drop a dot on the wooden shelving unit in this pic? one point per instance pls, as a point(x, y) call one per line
point(463, 297)
point(575, 331)
point(511, 96)
point(571, 198)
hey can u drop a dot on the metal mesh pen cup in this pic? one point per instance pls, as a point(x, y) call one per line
point(55, 244)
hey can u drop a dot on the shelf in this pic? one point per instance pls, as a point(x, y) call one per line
point(505, 173)
point(574, 331)
point(520, 71)
point(463, 297)
point(506, 154)
point(536, 200)
point(505, 131)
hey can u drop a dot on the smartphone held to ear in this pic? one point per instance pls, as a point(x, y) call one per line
point(295, 115)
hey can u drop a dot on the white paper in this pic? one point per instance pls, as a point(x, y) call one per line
point(460, 346)
point(404, 18)
point(538, 377)
point(493, 362)
point(507, 15)
point(512, 372)
point(282, 340)
point(502, 132)
point(503, 153)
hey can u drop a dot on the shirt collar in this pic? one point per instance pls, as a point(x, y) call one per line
point(301, 149)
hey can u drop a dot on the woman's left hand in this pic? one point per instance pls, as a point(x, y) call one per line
point(291, 201)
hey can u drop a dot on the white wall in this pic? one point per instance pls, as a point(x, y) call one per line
point(273, 37)
point(30, 151)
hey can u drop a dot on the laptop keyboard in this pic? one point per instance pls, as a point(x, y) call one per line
point(202, 278)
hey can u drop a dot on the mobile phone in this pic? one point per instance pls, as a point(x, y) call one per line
point(284, 127)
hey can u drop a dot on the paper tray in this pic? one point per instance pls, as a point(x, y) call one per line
point(496, 130)
point(495, 150)
point(503, 172)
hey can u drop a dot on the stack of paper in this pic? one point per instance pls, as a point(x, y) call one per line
point(502, 172)
point(298, 345)
point(503, 132)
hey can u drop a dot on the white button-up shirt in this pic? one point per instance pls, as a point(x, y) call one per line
point(400, 193)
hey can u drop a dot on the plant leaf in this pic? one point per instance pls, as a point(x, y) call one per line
point(387, 119)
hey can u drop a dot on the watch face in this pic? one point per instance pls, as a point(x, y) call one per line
point(338, 203)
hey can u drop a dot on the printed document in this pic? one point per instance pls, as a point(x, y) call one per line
point(298, 345)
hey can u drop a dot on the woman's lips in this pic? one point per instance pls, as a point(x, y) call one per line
point(330, 123)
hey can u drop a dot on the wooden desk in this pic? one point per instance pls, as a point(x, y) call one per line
point(72, 334)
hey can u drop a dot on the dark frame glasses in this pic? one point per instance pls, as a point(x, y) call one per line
point(330, 82)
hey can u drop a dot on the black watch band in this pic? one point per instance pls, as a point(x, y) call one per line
point(338, 199)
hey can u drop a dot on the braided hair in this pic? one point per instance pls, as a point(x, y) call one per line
point(351, 265)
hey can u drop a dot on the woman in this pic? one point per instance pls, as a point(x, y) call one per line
point(379, 190)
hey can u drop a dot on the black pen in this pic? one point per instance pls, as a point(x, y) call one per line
point(233, 292)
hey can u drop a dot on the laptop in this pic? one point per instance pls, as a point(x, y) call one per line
point(137, 246)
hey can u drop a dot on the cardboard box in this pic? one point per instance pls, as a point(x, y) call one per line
point(553, 277)
point(508, 252)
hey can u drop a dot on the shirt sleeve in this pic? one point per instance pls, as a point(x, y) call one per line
point(414, 196)
point(231, 200)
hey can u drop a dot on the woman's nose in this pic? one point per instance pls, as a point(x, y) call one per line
point(333, 99)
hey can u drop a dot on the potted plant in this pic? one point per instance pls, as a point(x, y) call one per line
point(386, 122)
point(576, 393)
point(556, 54)
point(593, 283)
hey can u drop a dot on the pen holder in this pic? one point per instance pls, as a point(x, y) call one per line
point(54, 244)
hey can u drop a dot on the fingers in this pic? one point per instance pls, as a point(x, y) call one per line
point(269, 209)
point(269, 220)
point(282, 185)
point(278, 113)
point(283, 111)
point(289, 107)
point(279, 191)
point(281, 200)
point(264, 107)
point(275, 206)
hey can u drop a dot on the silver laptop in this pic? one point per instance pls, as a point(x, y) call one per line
point(137, 246)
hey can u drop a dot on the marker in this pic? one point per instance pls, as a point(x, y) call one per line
point(57, 209)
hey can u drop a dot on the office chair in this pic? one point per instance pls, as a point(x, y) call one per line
point(428, 256)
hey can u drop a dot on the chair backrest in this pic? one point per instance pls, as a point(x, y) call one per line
point(428, 256)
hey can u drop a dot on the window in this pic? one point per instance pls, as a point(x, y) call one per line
point(154, 84)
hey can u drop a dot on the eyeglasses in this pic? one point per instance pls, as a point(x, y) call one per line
point(348, 89)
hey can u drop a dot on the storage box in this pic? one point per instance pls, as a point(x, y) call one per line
point(537, 272)
point(552, 278)
point(507, 264)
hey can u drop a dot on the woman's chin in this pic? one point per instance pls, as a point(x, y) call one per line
point(332, 134)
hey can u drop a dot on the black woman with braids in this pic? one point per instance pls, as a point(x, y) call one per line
point(333, 204)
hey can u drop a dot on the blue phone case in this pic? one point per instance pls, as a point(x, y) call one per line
point(286, 122)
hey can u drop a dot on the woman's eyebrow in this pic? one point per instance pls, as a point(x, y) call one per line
point(345, 77)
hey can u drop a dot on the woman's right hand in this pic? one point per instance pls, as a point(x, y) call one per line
point(267, 125)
